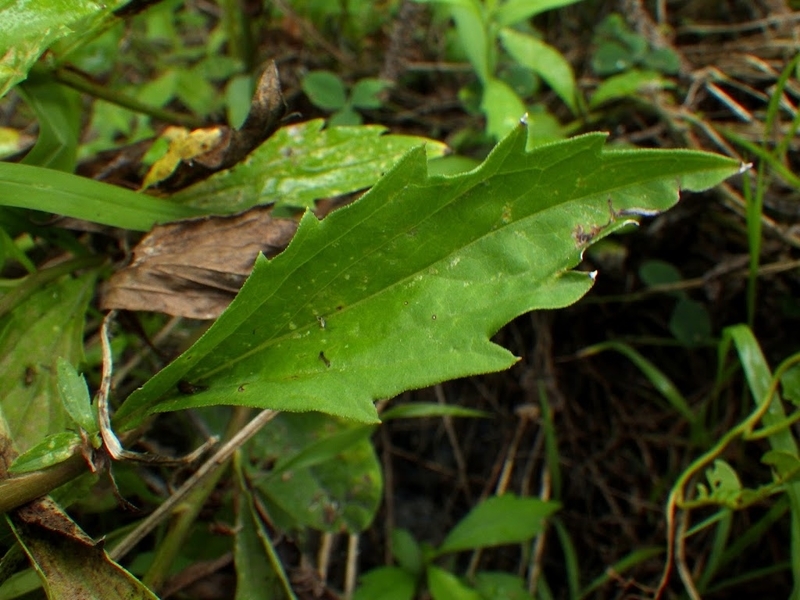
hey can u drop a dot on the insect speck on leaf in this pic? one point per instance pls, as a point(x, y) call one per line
point(324, 359)
point(322, 323)
point(583, 237)
point(30, 375)
point(186, 388)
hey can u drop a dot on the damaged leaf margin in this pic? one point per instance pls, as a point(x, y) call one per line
point(413, 279)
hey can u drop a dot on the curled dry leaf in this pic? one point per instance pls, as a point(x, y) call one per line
point(194, 268)
point(69, 562)
point(222, 147)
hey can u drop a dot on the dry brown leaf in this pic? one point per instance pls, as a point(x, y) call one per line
point(71, 563)
point(194, 268)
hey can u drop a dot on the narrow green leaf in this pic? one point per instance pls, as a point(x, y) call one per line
point(545, 61)
point(503, 108)
point(759, 376)
point(419, 410)
point(301, 163)
point(259, 572)
point(20, 584)
point(53, 449)
point(414, 278)
point(60, 193)
point(499, 520)
point(776, 167)
point(386, 583)
point(471, 27)
point(655, 375)
point(627, 85)
point(75, 397)
point(572, 563)
point(611, 573)
point(9, 250)
point(49, 324)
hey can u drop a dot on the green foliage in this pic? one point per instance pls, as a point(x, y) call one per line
point(619, 49)
point(628, 63)
point(351, 22)
point(723, 487)
point(44, 325)
point(327, 91)
point(401, 289)
point(325, 474)
point(772, 162)
point(499, 520)
point(485, 27)
point(690, 322)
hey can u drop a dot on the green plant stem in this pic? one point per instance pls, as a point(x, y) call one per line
point(16, 491)
point(240, 34)
point(21, 489)
point(677, 496)
point(755, 208)
point(76, 82)
point(185, 514)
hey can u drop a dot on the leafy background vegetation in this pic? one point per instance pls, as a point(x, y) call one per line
point(643, 443)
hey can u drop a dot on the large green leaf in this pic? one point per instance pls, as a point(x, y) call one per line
point(302, 163)
point(413, 279)
point(29, 28)
point(47, 325)
point(543, 60)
